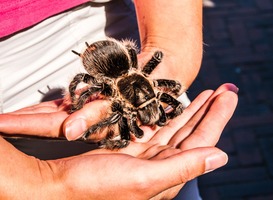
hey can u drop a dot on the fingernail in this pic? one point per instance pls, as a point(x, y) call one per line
point(75, 129)
point(233, 88)
point(216, 160)
point(236, 89)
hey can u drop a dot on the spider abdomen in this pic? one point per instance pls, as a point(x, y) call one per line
point(106, 58)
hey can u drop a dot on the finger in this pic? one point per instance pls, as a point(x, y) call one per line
point(41, 124)
point(199, 116)
point(164, 135)
point(182, 167)
point(78, 122)
point(208, 132)
point(44, 107)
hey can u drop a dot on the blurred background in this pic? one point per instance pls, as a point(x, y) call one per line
point(238, 37)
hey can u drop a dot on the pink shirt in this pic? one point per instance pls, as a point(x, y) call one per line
point(16, 15)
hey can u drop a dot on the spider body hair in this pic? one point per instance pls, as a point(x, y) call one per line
point(113, 71)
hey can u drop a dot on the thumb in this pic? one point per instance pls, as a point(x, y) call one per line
point(75, 125)
point(182, 167)
point(36, 124)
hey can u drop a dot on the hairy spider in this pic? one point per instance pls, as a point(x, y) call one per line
point(113, 72)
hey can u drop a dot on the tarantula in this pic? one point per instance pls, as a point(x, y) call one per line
point(113, 72)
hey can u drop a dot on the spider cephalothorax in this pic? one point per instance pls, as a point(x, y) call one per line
point(113, 72)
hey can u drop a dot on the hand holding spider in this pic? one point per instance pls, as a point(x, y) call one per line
point(51, 119)
point(173, 146)
point(113, 74)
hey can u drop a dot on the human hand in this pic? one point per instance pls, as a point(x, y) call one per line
point(189, 134)
point(203, 106)
point(158, 173)
point(101, 175)
point(45, 119)
point(48, 119)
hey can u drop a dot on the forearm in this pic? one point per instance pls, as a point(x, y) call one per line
point(176, 28)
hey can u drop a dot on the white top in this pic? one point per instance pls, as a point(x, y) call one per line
point(41, 57)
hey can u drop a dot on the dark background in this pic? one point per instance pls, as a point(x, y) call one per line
point(238, 36)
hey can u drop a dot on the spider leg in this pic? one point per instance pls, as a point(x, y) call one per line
point(133, 55)
point(125, 137)
point(176, 105)
point(138, 132)
point(109, 142)
point(118, 142)
point(114, 118)
point(171, 85)
point(124, 130)
point(163, 118)
point(82, 77)
point(152, 63)
point(79, 103)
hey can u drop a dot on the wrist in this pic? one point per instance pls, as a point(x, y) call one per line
point(179, 62)
point(177, 34)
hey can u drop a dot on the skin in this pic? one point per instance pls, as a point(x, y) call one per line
point(175, 29)
point(185, 145)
